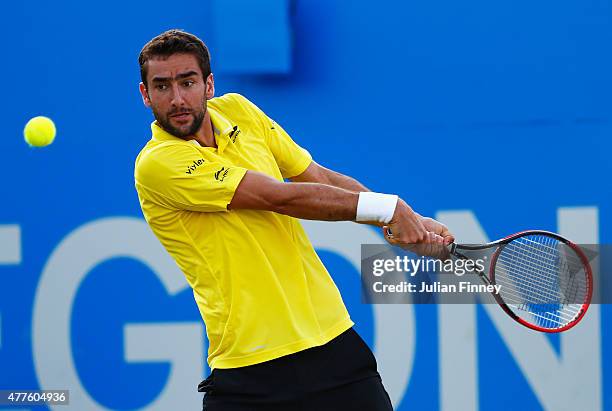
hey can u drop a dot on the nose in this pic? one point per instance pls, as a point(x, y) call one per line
point(177, 98)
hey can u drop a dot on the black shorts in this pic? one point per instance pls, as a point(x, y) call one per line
point(338, 376)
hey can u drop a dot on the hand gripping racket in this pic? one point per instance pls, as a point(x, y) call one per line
point(546, 280)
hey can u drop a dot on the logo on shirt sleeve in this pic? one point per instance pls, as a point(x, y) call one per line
point(221, 173)
point(192, 167)
point(234, 133)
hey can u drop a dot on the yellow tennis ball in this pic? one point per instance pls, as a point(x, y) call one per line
point(39, 131)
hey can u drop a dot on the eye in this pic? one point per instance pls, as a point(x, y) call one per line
point(188, 83)
point(161, 87)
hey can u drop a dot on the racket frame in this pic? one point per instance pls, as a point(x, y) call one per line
point(490, 279)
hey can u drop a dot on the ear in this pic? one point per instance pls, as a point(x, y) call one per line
point(210, 87)
point(145, 95)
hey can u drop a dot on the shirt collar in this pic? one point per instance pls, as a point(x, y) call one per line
point(221, 125)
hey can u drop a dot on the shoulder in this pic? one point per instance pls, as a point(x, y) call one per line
point(229, 100)
point(235, 104)
point(159, 160)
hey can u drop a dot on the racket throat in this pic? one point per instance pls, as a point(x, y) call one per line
point(452, 248)
point(484, 277)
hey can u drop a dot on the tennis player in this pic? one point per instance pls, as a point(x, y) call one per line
point(211, 186)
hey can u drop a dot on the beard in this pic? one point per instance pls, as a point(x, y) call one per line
point(181, 131)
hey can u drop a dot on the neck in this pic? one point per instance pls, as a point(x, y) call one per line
point(205, 135)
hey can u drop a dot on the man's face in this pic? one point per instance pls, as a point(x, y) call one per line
point(177, 93)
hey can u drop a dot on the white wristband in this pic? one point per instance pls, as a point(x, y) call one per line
point(376, 207)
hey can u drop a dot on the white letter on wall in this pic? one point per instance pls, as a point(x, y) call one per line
point(67, 267)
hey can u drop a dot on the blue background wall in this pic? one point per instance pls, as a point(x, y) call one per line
point(408, 97)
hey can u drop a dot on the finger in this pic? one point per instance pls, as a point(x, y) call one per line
point(431, 239)
point(432, 225)
point(421, 232)
point(434, 238)
point(447, 235)
point(445, 231)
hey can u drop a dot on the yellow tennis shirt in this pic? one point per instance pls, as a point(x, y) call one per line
point(258, 283)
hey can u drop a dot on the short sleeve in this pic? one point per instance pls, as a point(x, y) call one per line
point(292, 159)
point(177, 176)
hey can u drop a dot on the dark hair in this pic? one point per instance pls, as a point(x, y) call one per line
point(172, 42)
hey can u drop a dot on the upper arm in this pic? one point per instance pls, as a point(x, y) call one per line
point(177, 177)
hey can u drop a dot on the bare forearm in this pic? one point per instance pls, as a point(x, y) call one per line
point(316, 173)
point(345, 182)
point(312, 201)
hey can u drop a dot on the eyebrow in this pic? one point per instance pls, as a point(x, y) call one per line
point(179, 76)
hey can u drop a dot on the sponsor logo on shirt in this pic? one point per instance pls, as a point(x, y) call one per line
point(220, 175)
point(234, 133)
point(196, 163)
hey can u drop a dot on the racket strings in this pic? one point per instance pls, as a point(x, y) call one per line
point(554, 289)
point(545, 311)
point(543, 280)
point(546, 282)
point(539, 258)
point(540, 285)
point(528, 261)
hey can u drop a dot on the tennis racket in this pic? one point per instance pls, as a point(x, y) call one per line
point(546, 280)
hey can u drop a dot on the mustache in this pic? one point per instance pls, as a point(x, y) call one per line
point(175, 112)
